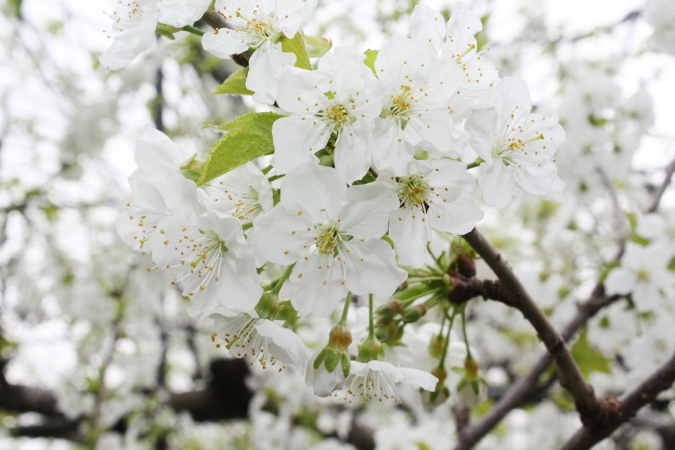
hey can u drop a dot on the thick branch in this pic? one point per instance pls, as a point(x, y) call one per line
point(670, 170)
point(627, 407)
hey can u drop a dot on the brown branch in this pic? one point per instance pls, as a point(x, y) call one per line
point(527, 387)
point(626, 408)
point(590, 408)
point(670, 170)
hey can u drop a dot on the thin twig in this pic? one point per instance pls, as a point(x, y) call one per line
point(670, 170)
point(217, 21)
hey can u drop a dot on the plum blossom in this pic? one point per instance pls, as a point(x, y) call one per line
point(133, 32)
point(416, 111)
point(209, 257)
point(517, 147)
point(259, 25)
point(257, 339)
point(433, 194)
point(643, 274)
point(377, 380)
point(339, 99)
point(332, 233)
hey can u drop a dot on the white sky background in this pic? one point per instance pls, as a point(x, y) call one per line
point(85, 21)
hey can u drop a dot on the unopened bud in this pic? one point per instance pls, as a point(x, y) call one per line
point(340, 337)
point(415, 313)
point(441, 374)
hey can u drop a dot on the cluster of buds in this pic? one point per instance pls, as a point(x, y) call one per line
point(392, 317)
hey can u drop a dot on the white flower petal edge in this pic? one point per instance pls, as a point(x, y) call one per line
point(179, 13)
point(377, 380)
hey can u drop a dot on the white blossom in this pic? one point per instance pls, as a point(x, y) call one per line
point(338, 100)
point(332, 233)
point(262, 340)
point(133, 32)
point(179, 13)
point(211, 260)
point(377, 380)
point(259, 24)
point(433, 194)
point(517, 147)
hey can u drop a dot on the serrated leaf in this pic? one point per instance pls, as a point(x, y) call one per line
point(249, 137)
point(371, 56)
point(588, 359)
point(235, 84)
point(297, 47)
point(317, 46)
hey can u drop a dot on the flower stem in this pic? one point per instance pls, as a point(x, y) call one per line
point(280, 282)
point(476, 163)
point(193, 30)
point(466, 338)
point(345, 310)
point(275, 177)
point(441, 362)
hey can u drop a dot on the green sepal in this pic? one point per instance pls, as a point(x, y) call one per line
point(166, 30)
point(296, 45)
point(346, 364)
point(249, 137)
point(235, 84)
point(332, 358)
point(264, 306)
point(475, 386)
point(371, 56)
point(285, 312)
point(319, 358)
point(317, 46)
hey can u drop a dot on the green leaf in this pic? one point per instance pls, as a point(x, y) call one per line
point(588, 359)
point(248, 138)
point(371, 56)
point(297, 47)
point(317, 46)
point(235, 84)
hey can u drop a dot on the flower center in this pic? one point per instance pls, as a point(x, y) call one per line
point(126, 16)
point(642, 275)
point(211, 245)
point(259, 27)
point(402, 103)
point(413, 190)
point(329, 237)
point(248, 206)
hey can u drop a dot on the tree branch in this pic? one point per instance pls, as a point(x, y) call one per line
point(587, 404)
point(626, 408)
point(525, 388)
point(670, 170)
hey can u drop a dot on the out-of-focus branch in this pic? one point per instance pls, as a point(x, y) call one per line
point(588, 405)
point(670, 170)
point(590, 434)
point(217, 21)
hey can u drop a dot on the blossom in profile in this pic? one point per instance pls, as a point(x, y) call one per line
point(257, 339)
point(377, 380)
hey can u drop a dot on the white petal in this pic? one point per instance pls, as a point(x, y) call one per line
point(317, 285)
point(365, 209)
point(482, 125)
point(352, 152)
point(371, 268)
point(427, 24)
point(316, 188)
point(179, 13)
point(265, 69)
point(284, 344)
point(296, 139)
point(225, 42)
point(498, 185)
point(620, 281)
point(410, 236)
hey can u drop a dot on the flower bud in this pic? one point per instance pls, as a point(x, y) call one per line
point(466, 265)
point(415, 313)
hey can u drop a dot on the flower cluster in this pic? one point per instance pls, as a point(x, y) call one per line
point(369, 158)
